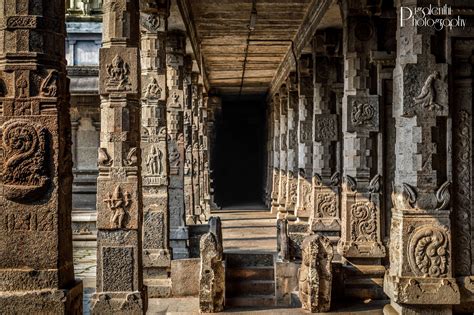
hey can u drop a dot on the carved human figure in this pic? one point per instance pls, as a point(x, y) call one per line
point(153, 161)
point(118, 202)
point(153, 90)
point(118, 72)
point(427, 96)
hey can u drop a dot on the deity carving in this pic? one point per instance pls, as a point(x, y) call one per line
point(154, 161)
point(152, 90)
point(25, 171)
point(427, 96)
point(118, 202)
point(118, 72)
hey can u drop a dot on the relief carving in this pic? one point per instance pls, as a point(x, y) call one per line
point(154, 162)
point(325, 205)
point(118, 72)
point(427, 96)
point(25, 171)
point(152, 90)
point(362, 113)
point(363, 222)
point(118, 202)
point(325, 128)
point(428, 249)
point(151, 22)
point(104, 158)
point(49, 87)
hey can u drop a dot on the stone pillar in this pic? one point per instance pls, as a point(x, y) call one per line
point(175, 50)
point(212, 274)
point(269, 163)
point(36, 265)
point(360, 206)
point(119, 191)
point(196, 92)
point(305, 138)
point(275, 104)
point(188, 143)
point(326, 217)
point(292, 147)
point(282, 182)
point(204, 156)
point(420, 279)
point(315, 274)
point(156, 253)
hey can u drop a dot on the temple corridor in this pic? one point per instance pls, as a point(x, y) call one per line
point(236, 156)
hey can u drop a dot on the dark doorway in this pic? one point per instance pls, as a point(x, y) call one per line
point(239, 152)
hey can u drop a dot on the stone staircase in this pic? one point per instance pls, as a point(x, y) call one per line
point(250, 280)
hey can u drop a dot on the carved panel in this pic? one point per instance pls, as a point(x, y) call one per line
point(363, 113)
point(25, 171)
point(119, 66)
point(325, 127)
point(364, 222)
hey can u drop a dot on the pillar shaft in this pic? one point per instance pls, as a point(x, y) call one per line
point(305, 138)
point(156, 253)
point(175, 51)
point(282, 182)
point(360, 236)
point(292, 146)
point(421, 198)
point(275, 104)
point(36, 265)
point(188, 143)
point(119, 191)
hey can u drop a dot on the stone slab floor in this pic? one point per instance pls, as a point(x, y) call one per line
point(246, 229)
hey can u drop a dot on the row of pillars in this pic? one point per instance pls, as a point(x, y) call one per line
point(154, 177)
point(328, 144)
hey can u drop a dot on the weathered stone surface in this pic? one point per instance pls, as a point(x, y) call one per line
point(212, 275)
point(185, 285)
point(36, 267)
point(315, 274)
point(119, 191)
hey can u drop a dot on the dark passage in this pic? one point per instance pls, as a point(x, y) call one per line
point(239, 152)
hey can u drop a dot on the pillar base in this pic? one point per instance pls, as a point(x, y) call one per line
point(55, 301)
point(397, 309)
point(129, 303)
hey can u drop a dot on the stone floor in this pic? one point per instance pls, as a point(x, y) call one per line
point(245, 228)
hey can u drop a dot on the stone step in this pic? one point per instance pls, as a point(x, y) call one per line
point(158, 288)
point(250, 288)
point(250, 273)
point(254, 300)
point(248, 260)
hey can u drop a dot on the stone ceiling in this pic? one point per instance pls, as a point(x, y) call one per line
point(222, 29)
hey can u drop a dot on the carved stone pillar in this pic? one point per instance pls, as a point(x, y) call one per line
point(119, 192)
point(326, 216)
point(204, 157)
point(36, 266)
point(315, 274)
point(282, 182)
point(360, 236)
point(175, 50)
point(292, 147)
point(196, 94)
point(275, 104)
point(269, 163)
point(420, 279)
point(305, 138)
point(156, 253)
point(188, 143)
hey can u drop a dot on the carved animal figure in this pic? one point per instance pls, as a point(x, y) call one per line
point(362, 113)
point(427, 96)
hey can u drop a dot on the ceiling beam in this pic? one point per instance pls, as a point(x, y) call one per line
point(307, 29)
point(186, 13)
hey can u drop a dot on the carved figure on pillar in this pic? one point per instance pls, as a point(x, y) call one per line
point(283, 152)
point(36, 261)
point(156, 251)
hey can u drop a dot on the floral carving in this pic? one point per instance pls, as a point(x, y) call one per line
point(427, 96)
point(325, 128)
point(325, 205)
point(118, 72)
point(364, 222)
point(429, 252)
point(25, 173)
